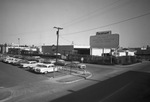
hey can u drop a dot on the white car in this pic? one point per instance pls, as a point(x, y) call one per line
point(16, 60)
point(45, 68)
point(29, 64)
point(9, 60)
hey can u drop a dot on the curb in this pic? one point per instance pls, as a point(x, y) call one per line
point(5, 95)
point(124, 66)
point(73, 81)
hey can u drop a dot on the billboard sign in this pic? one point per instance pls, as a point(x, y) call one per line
point(104, 41)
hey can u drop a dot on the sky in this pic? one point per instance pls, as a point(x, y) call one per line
point(33, 21)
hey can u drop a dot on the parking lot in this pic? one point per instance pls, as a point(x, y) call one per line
point(24, 83)
point(47, 66)
point(17, 69)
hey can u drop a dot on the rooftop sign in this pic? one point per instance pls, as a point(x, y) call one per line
point(103, 32)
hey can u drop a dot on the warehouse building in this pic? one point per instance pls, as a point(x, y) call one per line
point(66, 49)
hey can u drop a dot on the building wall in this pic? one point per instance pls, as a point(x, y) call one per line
point(62, 49)
point(126, 53)
point(131, 53)
point(99, 51)
point(82, 51)
point(122, 53)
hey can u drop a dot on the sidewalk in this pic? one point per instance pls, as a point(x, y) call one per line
point(126, 66)
point(79, 75)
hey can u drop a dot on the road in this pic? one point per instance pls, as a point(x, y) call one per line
point(108, 83)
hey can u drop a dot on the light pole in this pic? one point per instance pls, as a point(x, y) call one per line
point(57, 33)
point(19, 46)
point(19, 41)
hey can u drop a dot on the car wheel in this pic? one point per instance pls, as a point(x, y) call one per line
point(45, 72)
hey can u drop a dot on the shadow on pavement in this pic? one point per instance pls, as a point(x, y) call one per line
point(90, 79)
point(128, 87)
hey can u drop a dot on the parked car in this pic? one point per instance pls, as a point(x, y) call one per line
point(15, 61)
point(30, 58)
point(28, 64)
point(61, 62)
point(9, 60)
point(45, 68)
point(18, 56)
point(2, 57)
point(49, 61)
point(81, 66)
point(76, 64)
point(18, 63)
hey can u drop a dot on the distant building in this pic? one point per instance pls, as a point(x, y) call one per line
point(124, 52)
point(17, 49)
point(66, 49)
point(62, 49)
point(143, 52)
point(84, 50)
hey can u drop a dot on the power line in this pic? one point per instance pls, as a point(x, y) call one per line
point(65, 39)
point(35, 32)
point(72, 42)
point(90, 15)
point(108, 24)
point(97, 10)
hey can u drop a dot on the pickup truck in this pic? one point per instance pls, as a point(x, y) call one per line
point(45, 68)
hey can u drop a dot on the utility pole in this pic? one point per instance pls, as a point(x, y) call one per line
point(57, 33)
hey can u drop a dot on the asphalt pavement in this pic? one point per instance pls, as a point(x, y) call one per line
point(128, 87)
point(119, 86)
